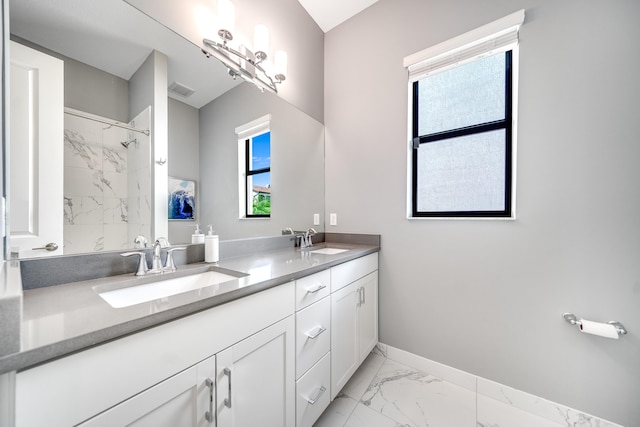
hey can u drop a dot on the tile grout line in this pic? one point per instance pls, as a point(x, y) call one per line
point(359, 399)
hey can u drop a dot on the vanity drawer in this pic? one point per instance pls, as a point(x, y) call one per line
point(313, 336)
point(312, 288)
point(349, 272)
point(312, 393)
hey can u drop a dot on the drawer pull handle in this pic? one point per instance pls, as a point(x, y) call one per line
point(209, 414)
point(313, 400)
point(361, 296)
point(315, 332)
point(227, 400)
point(316, 289)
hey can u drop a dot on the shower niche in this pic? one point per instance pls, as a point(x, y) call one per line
point(107, 181)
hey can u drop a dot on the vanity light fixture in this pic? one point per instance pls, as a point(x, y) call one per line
point(252, 66)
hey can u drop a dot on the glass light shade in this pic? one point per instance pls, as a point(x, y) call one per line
point(261, 39)
point(280, 63)
point(226, 15)
point(205, 20)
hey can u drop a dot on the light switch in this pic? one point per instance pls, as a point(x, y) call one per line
point(316, 219)
point(333, 219)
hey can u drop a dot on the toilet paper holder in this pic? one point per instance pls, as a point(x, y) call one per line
point(571, 318)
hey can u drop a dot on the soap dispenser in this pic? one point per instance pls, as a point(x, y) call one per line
point(198, 235)
point(211, 248)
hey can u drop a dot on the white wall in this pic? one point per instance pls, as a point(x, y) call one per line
point(487, 296)
point(148, 86)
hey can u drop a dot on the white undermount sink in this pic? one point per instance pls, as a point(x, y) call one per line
point(328, 251)
point(136, 294)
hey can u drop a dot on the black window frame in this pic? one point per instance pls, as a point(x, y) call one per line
point(506, 124)
point(249, 172)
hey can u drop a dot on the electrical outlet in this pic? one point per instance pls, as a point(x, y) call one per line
point(316, 219)
point(333, 219)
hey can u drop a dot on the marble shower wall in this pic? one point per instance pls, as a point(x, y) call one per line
point(102, 180)
point(139, 179)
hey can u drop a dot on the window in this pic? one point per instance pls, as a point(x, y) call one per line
point(254, 167)
point(258, 175)
point(462, 134)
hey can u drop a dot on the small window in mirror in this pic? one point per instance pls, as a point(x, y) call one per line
point(257, 175)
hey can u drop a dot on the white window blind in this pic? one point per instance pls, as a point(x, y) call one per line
point(499, 35)
point(254, 127)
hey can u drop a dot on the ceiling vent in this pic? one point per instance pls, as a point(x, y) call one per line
point(180, 89)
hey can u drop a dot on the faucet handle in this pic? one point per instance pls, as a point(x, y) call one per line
point(169, 264)
point(162, 242)
point(142, 262)
point(140, 242)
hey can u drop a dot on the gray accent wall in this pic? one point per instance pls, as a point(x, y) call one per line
point(487, 296)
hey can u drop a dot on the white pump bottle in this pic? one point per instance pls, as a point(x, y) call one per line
point(211, 247)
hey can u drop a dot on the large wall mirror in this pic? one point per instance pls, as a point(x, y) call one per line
point(108, 128)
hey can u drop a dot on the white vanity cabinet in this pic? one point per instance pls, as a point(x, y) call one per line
point(354, 317)
point(273, 358)
point(158, 375)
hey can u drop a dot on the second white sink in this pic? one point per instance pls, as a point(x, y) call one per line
point(131, 295)
point(328, 251)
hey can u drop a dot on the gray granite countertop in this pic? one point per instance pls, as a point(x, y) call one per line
point(59, 320)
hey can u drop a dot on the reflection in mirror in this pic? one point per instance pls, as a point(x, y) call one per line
point(103, 45)
point(297, 164)
point(107, 182)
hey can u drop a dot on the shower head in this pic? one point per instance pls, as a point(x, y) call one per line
point(126, 144)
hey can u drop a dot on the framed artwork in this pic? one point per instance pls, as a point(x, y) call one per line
point(182, 199)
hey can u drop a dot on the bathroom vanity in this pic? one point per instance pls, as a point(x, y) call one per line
point(271, 347)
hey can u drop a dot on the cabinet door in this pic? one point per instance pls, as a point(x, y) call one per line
point(255, 379)
point(367, 314)
point(181, 400)
point(344, 336)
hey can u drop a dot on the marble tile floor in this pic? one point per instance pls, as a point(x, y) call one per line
point(385, 393)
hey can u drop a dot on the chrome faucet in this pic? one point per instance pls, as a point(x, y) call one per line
point(306, 240)
point(156, 263)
